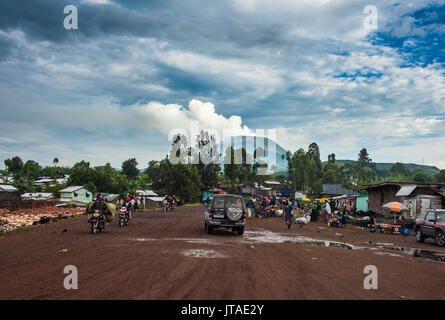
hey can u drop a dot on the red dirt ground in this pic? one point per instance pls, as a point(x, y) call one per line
point(146, 260)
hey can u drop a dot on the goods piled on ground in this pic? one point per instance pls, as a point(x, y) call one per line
point(26, 217)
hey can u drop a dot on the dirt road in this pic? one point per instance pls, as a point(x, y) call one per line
point(169, 256)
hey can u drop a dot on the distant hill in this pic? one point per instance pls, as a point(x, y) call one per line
point(412, 167)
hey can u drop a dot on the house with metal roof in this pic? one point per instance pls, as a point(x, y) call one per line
point(9, 193)
point(76, 194)
point(335, 190)
point(7, 188)
point(418, 197)
point(146, 193)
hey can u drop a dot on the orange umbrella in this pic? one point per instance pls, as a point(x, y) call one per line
point(395, 206)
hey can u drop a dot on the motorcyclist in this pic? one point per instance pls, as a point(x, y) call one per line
point(100, 205)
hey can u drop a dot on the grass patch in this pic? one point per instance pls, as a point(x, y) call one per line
point(192, 204)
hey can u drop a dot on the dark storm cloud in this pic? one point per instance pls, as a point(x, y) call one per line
point(274, 63)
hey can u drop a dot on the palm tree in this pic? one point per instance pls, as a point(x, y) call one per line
point(55, 161)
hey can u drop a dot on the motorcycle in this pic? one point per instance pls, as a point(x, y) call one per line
point(270, 211)
point(165, 206)
point(124, 217)
point(97, 221)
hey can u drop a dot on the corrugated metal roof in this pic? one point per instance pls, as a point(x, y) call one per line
point(156, 199)
point(71, 189)
point(337, 189)
point(405, 191)
point(7, 188)
point(272, 182)
point(146, 193)
point(37, 196)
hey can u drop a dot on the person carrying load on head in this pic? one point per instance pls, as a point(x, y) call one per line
point(102, 206)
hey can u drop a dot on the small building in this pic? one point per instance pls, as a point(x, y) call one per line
point(45, 181)
point(38, 196)
point(9, 193)
point(362, 203)
point(273, 185)
point(335, 190)
point(153, 202)
point(418, 197)
point(76, 194)
point(144, 195)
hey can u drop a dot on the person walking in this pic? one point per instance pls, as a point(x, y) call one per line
point(256, 208)
point(288, 216)
point(250, 206)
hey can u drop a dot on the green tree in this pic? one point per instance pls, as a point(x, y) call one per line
point(421, 176)
point(121, 184)
point(129, 168)
point(82, 175)
point(207, 158)
point(314, 169)
point(30, 170)
point(104, 178)
point(331, 173)
point(14, 166)
point(440, 176)
point(398, 171)
point(331, 158)
point(231, 170)
point(366, 168)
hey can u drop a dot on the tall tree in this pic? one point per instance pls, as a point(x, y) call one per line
point(366, 168)
point(129, 168)
point(314, 169)
point(207, 158)
point(14, 166)
point(82, 175)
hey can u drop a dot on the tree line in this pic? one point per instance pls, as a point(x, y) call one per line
point(191, 176)
point(307, 173)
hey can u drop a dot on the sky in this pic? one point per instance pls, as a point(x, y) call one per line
point(135, 70)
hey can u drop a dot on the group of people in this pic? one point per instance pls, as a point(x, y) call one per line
point(256, 206)
point(130, 202)
point(333, 213)
point(169, 202)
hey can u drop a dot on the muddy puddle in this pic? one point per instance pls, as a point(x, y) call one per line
point(266, 236)
point(200, 253)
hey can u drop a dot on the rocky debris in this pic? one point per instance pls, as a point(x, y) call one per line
point(27, 217)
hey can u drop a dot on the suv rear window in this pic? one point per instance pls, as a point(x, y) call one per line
point(440, 216)
point(233, 202)
point(218, 202)
point(227, 202)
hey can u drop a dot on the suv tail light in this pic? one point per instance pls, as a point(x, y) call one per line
point(210, 215)
point(244, 216)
